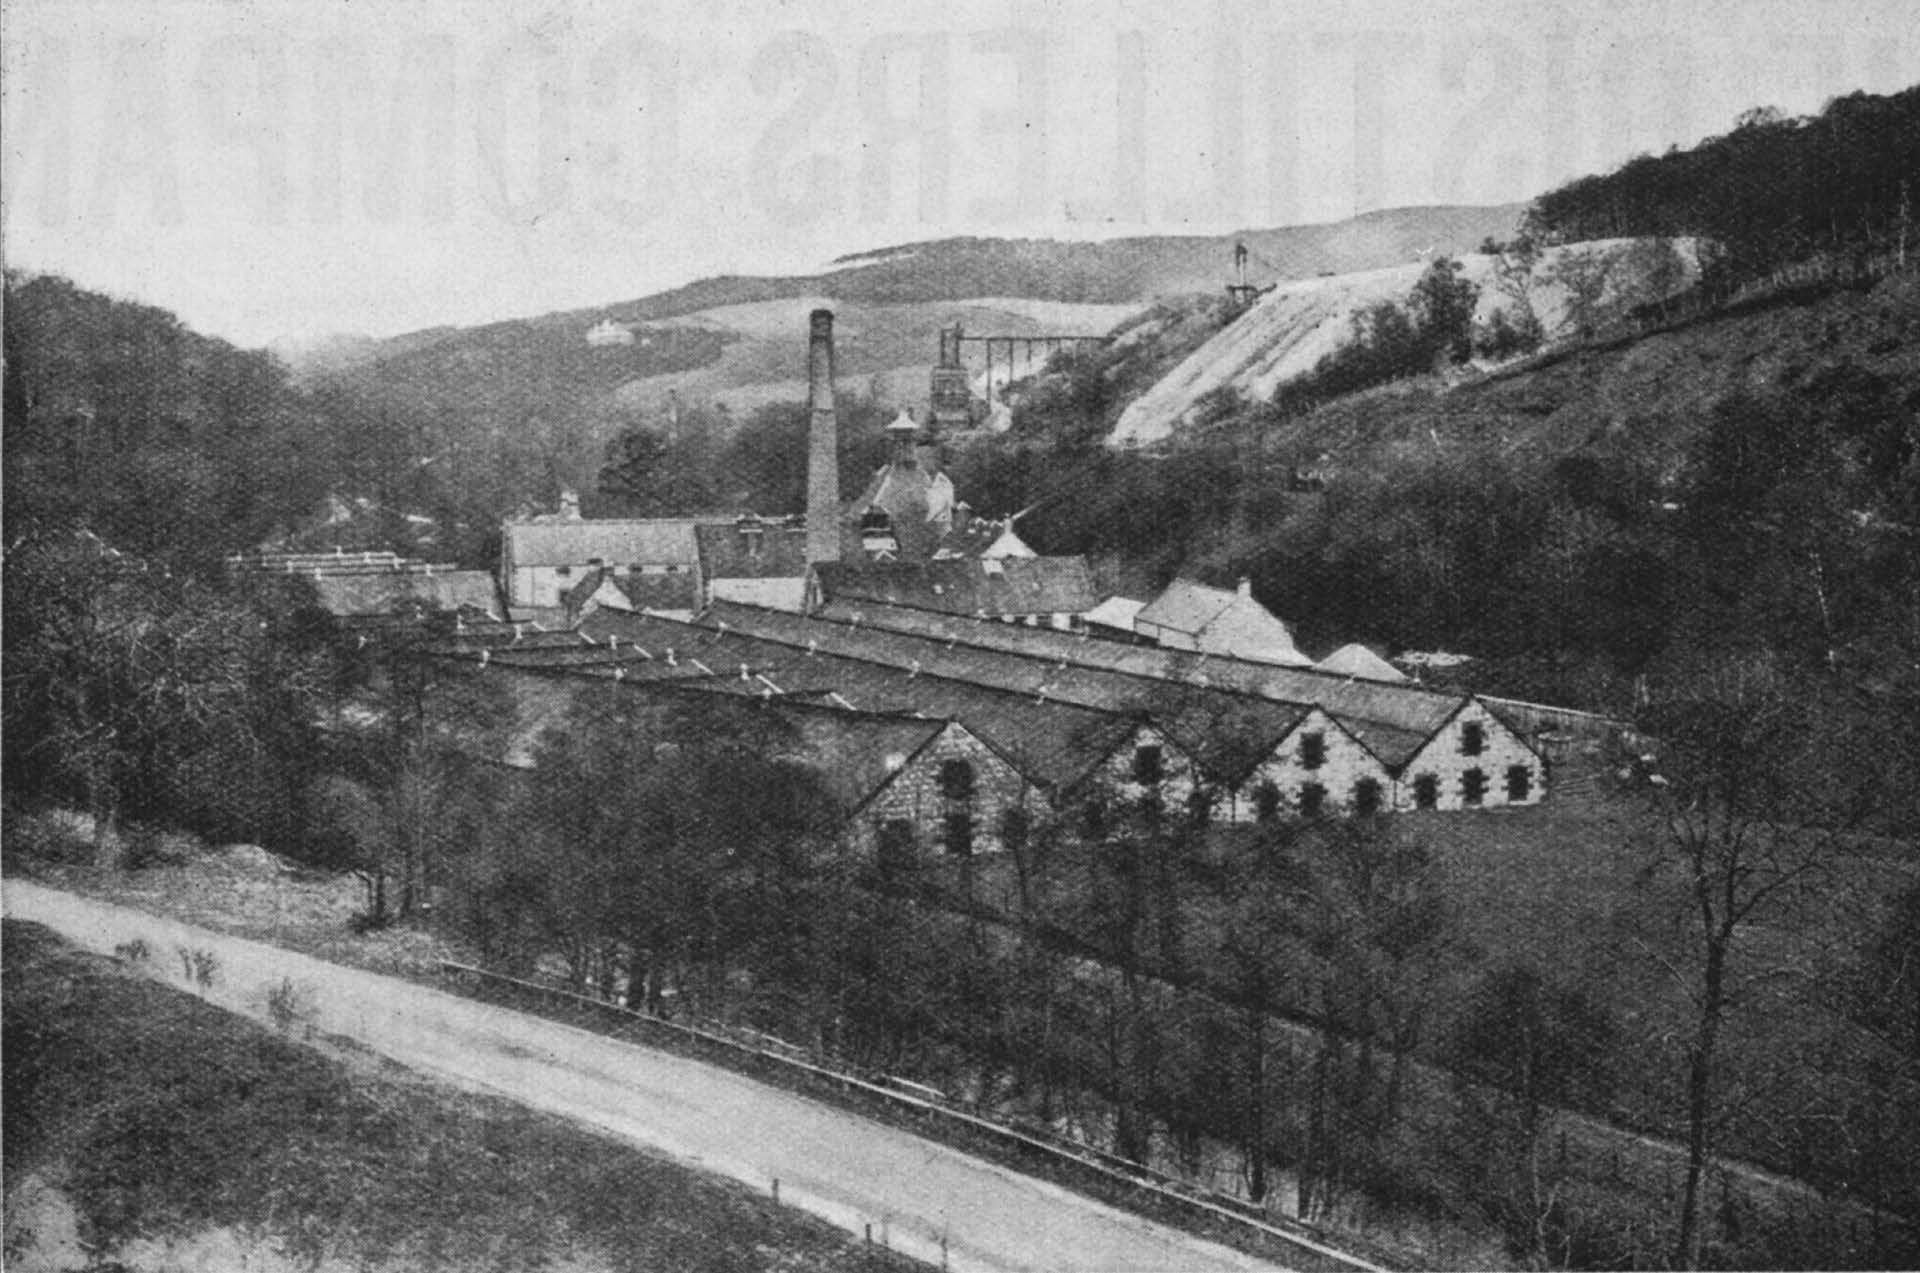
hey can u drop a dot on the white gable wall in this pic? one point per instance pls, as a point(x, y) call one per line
point(1344, 764)
point(1446, 761)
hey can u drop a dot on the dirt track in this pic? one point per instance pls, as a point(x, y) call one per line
point(919, 1197)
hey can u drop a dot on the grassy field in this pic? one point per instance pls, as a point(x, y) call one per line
point(1562, 888)
point(146, 1128)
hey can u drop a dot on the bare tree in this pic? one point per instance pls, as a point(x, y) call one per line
point(1752, 815)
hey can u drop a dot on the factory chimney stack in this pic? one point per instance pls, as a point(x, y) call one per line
point(823, 444)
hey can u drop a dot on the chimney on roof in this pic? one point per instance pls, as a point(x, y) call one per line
point(569, 505)
point(823, 444)
point(1246, 587)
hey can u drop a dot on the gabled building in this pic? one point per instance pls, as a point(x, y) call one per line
point(674, 593)
point(1357, 660)
point(1472, 761)
point(1067, 751)
point(544, 558)
point(1321, 741)
point(953, 795)
point(1318, 767)
point(906, 510)
point(757, 561)
point(1193, 616)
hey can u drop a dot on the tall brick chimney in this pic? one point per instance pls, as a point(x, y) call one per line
point(823, 444)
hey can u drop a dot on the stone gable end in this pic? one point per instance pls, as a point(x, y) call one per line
point(1116, 775)
point(1344, 765)
point(1444, 759)
point(917, 796)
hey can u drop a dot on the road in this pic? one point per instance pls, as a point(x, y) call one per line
point(920, 1197)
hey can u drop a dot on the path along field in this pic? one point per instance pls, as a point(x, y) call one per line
point(920, 1198)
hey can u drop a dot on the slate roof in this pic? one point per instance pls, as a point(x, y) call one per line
point(725, 554)
point(1228, 733)
point(1053, 742)
point(638, 591)
point(1115, 612)
point(614, 541)
point(1014, 585)
point(1358, 660)
point(1222, 621)
point(855, 753)
point(981, 537)
point(355, 595)
point(1186, 606)
point(1388, 712)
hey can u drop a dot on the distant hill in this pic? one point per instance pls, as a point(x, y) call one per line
point(920, 284)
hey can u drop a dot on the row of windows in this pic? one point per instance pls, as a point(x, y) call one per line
point(1148, 766)
point(956, 835)
point(957, 786)
point(566, 572)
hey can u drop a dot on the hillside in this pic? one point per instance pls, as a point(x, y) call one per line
point(1284, 337)
point(1643, 399)
point(911, 290)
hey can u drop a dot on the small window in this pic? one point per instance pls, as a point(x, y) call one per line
point(1313, 750)
point(1313, 799)
point(896, 845)
point(960, 834)
point(1519, 782)
point(1266, 802)
point(563, 571)
point(1016, 824)
point(1473, 738)
point(1366, 796)
point(1473, 786)
point(1426, 792)
point(956, 779)
point(1148, 766)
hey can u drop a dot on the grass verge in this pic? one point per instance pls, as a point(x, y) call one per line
point(153, 1117)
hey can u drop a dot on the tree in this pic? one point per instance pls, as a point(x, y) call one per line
point(1261, 947)
point(1752, 814)
point(637, 471)
point(1372, 911)
point(1583, 275)
point(1443, 302)
point(1533, 1046)
point(142, 692)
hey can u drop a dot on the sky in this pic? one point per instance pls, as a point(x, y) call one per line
point(281, 170)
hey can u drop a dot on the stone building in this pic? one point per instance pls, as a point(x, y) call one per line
point(1319, 767)
point(1320, 741)
point(543, 558)
point(954, 796)
point(1193, 616)
point(1472, 761)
